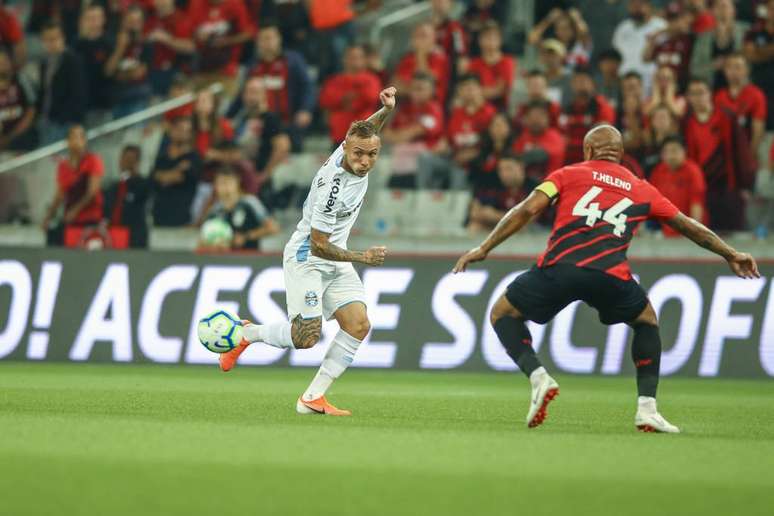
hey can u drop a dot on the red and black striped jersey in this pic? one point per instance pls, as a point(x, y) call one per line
point(599, 205)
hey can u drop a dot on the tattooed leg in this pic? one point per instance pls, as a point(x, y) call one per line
point(305, 332)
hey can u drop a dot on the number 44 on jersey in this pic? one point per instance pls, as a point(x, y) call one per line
point(613, 215)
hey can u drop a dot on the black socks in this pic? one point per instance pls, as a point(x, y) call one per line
point(646, 354)
point(517, 341)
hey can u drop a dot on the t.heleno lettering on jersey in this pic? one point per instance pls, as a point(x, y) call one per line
point(612, 181)
point(332, 195)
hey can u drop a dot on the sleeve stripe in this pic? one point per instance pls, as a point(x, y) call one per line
point(548, 188)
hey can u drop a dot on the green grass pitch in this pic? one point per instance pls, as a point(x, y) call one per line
point(141, 440)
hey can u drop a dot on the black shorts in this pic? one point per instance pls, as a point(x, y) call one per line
point(541, 293)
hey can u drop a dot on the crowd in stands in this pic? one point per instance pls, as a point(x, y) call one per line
point(688, 82)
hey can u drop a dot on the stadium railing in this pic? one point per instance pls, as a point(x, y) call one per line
point(30, 179)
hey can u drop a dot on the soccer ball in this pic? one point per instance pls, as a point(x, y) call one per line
point(220, 331)
point(216, 233)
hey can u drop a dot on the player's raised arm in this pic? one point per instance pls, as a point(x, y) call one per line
point(387, 96)
point(516, 218)
point(323, 248)
point(742, 264)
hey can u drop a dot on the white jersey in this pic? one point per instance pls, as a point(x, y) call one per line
point(332, 206)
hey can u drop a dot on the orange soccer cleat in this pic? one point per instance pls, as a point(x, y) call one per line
point(229, 359)
point(319, 406)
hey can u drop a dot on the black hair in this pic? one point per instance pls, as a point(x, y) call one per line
point(674, 138)
point(582, 70)
point(132, 148)
point(610, 53)
point(632, 75)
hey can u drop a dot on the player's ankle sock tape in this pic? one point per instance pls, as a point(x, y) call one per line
point(517, 341)
point(340, 354)
point(646, 354)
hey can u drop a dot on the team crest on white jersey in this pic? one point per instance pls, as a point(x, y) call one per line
point(311, 298)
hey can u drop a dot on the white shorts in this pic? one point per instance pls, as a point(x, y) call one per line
point(318, 287)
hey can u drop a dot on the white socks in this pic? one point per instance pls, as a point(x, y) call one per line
point(646, 404)
point(340, 354)
point(277, 334)
point(537, 375)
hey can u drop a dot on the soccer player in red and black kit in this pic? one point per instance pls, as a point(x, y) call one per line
point(599, 205)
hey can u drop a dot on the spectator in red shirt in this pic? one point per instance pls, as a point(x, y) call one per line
point(537, 91)
point(17, 109)
point(680, 180)
point(170, 34)
point(673, 45)
point(209, 127)
point(420, 118)
point(128, 65)
point(415, 130)
point(449, 34)
point(78, 187)
point(468, 120)
point(349, 96)
point(448, 168)
point(424, 57)
point(541, 147)
point(489, 205)
point(220, 27)
point(289, 89)
point(582, 111)
point(496, 142)
point(495, 69)
point(745, 99)
point(716, 142)
point(12, 37)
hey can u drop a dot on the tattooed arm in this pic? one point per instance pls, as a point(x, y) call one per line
point(323, 248)
point(387, 96)
point(742, 264)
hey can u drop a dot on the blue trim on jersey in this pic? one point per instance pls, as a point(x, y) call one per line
point(303, 250)
point(349, 303)
point(340, 160)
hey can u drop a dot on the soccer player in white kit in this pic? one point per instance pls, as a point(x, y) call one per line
point(320, 280)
